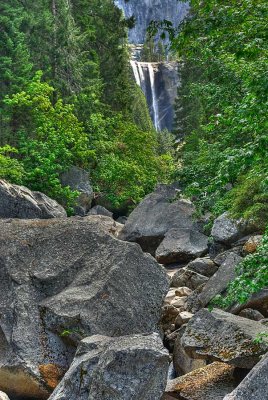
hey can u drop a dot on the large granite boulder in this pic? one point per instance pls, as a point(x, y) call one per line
point(212, 382)
point(20, 202)
point(62, 280)
point(255, 385)
point(181, 245)
point(221, 336)
point(220, 280)
point(78, 180)
point(126, 368)
point(159, 212)
point(227, 230)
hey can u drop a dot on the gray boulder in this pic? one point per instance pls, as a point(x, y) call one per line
point(188, 278)
point(78, 180)
point(99, 210)
point(62, 280)
point(227, 230)
point(255, 385)
point(126, 368)
point(193, 303)
point(20, 202)
point(221, 336)
point(159, 212)
point(203, 266)
point(183, 363)
point(220, 280)
point(180, 245)
point(220, 258)
point(249, 313)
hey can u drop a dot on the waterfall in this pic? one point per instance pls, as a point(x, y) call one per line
point(144, 75)
point(159, 82)
point(135, 72)
point(154, 97)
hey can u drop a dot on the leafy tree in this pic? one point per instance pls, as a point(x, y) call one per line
point(49, 139)
point(128, 165)
point(10, 168)
point(222, 107)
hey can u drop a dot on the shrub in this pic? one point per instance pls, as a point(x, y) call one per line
point(251, 277)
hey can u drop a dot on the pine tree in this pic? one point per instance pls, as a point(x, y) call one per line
point(15, 67)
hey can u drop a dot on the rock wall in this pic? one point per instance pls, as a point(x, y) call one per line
point(148, 10)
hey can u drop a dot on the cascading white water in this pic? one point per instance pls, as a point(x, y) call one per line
point(158, 82)
point(135, 72)
point(138, 72)
point(142, 77)
point(154, 97)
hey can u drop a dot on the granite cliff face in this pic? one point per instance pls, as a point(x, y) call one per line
point(148, 10)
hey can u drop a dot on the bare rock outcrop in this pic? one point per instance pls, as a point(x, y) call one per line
point(126, 368)
point(63, 280)
point(20, 202)
point(221, 336)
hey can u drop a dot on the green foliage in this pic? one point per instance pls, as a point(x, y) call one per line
point(15, 66)
point(222, 107)
point(49, 139)
point(261, 338)
point(83, 109)
point(10, 168)
point(166, 142)
point(252, 276)
point(140, 112)
point(153, 51)
point(127, 162)
point(249, 198)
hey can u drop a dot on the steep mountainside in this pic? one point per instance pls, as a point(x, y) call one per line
point(147, 10)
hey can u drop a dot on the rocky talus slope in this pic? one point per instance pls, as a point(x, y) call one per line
point(91, 309)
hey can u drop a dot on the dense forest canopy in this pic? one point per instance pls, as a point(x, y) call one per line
point(68, 98)
point(221, 111)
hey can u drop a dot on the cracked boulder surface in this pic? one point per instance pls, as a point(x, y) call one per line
point(62, 280)
point(221, 336)
point(131, 367)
